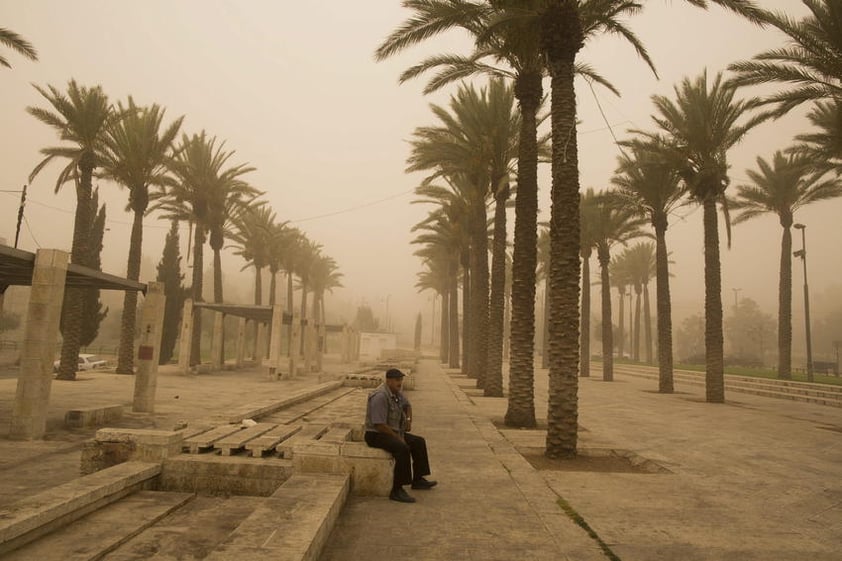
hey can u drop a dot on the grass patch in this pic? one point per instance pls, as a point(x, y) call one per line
point(765, 373)
point(577, 518)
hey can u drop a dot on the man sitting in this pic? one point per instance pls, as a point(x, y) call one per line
point(388, 420)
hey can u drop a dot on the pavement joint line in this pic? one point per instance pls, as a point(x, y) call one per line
point(533, 477)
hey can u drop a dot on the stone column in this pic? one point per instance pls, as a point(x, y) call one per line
point(151, 326)
point(241, 342)
point(274, 362)
point(260, 344)
point(296, 341)
point(29, 412)
point(185, 337)
point(217, 360)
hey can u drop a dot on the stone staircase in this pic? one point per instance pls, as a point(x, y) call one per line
point(286, 466)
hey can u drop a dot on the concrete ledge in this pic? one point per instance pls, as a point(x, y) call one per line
point(93, 416)
point(224, 475)
point(114, 446)
point(370, 469)
point(35, 516)
point(292, 525)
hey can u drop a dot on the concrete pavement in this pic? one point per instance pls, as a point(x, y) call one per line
point(754, 478)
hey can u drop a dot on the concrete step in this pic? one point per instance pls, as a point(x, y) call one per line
point(101, 532)
point(763, 387)
point(302, 410)
point(291, 525)
point(224, 475)
point(34, 516)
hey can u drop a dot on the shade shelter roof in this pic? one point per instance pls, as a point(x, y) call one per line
point(253, 312)
point(16, 266)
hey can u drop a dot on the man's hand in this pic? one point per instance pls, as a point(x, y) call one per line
point(408, 425)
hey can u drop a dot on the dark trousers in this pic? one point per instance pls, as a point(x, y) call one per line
point(415, 448)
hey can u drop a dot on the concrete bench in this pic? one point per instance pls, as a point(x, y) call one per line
point(239, 439)
point(270, 440)
point(32, 517)
point(307, 434)
point(293, 524)
point(370, 469)
point(93, 416)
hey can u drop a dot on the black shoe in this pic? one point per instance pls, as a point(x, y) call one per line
point(423, 484)
point(401, 496)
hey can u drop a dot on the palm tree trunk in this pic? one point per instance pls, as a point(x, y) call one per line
point(125, 356)
point(494, 376)
point(273, 285)
point(565, 31)
point(621, 331)
point(79, 253)
point(289, 308)
point(714, 359)
point(444, 328)
point(217, 275)
point(521, 406)
point(664, 308)
point(647, 324)
point(479, 293)
point(636, 330)
point(303, 314)
point(466, 314)
point(545, 332)
point(585, 320)
point(198, 264)
point(785, 306)
point(453, 319)
point(607, 326)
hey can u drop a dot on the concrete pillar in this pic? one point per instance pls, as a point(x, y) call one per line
point(261, 343)
point(320, 346)
point(296, 342)
point(241, 342)
point(151, 326)
point(274, 362)
point(217, 360)
point(185, 337)
point(29, 413)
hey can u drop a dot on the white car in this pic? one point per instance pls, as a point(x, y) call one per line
point(86, 362)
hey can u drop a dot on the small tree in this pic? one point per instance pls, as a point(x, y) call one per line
point(418, 332)
point(169, 273)
point(365, 320)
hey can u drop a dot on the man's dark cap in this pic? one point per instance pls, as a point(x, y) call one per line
point(394, 373)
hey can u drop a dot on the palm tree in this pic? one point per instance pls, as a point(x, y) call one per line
point(640, 259)
point(81, 117)
point(12, 40)
point(252, 236)
point(699, 128)
point(324, 277)
point(198, 175)
point(654, 190)
point(811, 64)
point(310, 253)
point(589, 215)
point(135, 155)
point(781, 187)
point(823, 147)
point(613, 223)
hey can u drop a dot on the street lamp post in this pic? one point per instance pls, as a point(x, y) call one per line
point(802, 253)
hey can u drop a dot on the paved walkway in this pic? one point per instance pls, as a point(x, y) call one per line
point(752, 479)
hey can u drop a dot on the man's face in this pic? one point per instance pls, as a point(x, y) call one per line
point(394, 384)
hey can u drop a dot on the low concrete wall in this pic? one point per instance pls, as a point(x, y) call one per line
point(93, 416)
point(115, 446)
point(224, 475)
point(370, 469)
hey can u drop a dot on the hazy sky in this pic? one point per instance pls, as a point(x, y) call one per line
point(293, 88)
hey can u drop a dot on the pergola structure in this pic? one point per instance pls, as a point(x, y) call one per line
point(270, 321)
point(49, 272)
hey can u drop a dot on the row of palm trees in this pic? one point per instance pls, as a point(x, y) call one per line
point(192, 180)
point(524, 40)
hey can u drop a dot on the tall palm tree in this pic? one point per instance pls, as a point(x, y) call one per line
point(310, 253)
point(136, 150)
point(781, 187)
point(324, 277)
point(197, 169)
point(811, 64)
point(699, 128)
point(589, 215)
point(472, 147)
point(252, 236)
point(640, 259)
point(15, 42)
point(654, 190)
point(80, 118)
point(614, 223)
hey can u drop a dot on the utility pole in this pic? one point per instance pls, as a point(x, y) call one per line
point(802, 253)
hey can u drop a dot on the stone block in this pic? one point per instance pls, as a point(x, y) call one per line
point(224, 475)
point(93, 416)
